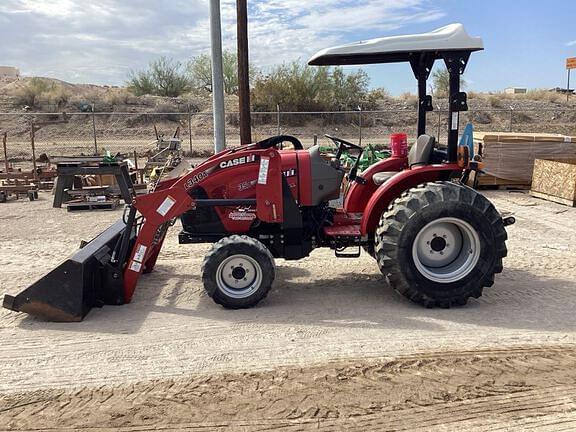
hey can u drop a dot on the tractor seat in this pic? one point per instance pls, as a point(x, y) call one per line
point(382, 177)
point(420, 154)
point(421, 151)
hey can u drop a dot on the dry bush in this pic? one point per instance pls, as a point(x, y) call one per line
point(57, 96)
point(409, 99)
point(522, 117)
point(117, 97)
point(31, 93)
point(480, 117)
point(496, 100)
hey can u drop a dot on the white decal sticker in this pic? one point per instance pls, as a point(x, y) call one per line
point(455, 118)
point(242, 216)
point(263, 172)
point(140, 253)
point(166, 205)
point(196, 179)
point(135, 266)
point(567, 139)
point(289, 173)
point(238, 161)
point(246, 185)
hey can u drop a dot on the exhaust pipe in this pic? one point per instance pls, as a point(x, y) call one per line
point(88, 278)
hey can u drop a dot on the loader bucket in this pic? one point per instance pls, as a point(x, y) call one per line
point(84, 280)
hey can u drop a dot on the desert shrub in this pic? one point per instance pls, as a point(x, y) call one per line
point(409, 99)
point(496, 101)
point(164, 77)
point(117, 97)
point(57, 96)
point(31, 93)
point(554, 97)
point(167, 112)
point(481, 117)
point(297, 87)
point(522, 117)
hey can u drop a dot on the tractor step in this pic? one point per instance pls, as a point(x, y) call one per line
point(342, 237)
point(343, 231)
point(92, 205)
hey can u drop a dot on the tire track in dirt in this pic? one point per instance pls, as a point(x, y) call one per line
point(515, 389)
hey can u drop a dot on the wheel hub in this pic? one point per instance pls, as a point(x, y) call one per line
point(446, 250)
point(239, 276)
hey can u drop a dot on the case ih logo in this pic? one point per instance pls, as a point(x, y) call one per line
point(238, 161)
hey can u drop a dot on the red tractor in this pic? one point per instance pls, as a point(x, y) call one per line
point(436, 240)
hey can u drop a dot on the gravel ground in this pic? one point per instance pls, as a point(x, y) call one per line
point(322, 310)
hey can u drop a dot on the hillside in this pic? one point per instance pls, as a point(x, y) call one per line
point(123, 116)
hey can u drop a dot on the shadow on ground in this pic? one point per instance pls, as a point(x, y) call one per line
point(518, 300)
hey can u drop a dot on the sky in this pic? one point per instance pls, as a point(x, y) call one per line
point(100, 42)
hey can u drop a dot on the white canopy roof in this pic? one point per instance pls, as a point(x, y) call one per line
point(390, 49)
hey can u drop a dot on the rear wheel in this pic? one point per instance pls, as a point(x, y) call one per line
point(238, 272)
point(440, 244)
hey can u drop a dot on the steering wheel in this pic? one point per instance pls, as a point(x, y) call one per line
point(275, 140)
point(342, 145)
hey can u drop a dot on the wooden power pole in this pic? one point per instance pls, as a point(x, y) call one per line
point(243, 72)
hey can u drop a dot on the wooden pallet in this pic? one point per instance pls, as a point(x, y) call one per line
point(88, 205)
point(486, 181)
point(556, 199)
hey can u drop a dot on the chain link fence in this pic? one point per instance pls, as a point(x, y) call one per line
point(88, 133)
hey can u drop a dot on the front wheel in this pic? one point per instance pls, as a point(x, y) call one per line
point(238, 272)
point(440, 244)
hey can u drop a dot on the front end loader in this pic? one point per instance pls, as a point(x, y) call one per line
point(437, 241)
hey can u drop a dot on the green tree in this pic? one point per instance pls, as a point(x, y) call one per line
point(200, 72)
point(297, 87)
point(441, 81)
point(164, 77)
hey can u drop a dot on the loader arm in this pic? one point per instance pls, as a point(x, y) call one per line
point(159, 209)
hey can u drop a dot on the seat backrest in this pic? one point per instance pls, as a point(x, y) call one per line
point(421, 152)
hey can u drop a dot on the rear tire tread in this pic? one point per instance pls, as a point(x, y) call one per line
point(405, 207)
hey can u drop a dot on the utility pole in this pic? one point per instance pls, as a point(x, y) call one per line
point(243, 72)
point(217, 77)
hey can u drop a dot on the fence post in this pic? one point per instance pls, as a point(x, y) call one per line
point(439, 123)
point(190, 127)
point(277, 119)
point(4, 139)
point(94, 129)
point(360, 125)
point(33, 144)
point(315, 139)
point(511, 118)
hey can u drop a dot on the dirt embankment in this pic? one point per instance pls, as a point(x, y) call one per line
point(549, 112)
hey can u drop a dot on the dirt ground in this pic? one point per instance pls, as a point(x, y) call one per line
point(331, 348)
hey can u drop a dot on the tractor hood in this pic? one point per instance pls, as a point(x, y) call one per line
point(392, 49)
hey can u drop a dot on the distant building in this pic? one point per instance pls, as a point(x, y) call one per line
point(9, 71)
point(516, 90)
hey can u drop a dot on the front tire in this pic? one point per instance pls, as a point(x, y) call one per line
point(238, 272)
point(440, 244)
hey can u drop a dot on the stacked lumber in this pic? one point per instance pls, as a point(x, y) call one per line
point(509, 157)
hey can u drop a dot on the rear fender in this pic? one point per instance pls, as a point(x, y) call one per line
point(359, 194)
point(394, 187)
